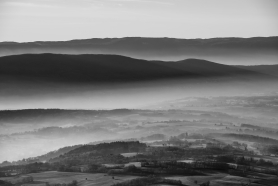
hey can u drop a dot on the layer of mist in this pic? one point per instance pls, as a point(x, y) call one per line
point(231, 51)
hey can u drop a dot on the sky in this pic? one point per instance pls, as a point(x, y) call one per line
point(58, 20)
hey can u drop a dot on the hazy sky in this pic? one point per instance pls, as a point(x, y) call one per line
point(30, 20)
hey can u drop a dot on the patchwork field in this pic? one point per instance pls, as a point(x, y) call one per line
point(215, 180)
point(53, 177)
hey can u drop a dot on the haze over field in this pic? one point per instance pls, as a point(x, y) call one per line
point(27, 130)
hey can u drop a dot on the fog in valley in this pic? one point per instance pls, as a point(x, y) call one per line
point(138, 93)
point(83, 100)
point(36, 132)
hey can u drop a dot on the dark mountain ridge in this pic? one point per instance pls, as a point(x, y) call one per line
point(110, 68)
point(93, 81)
point(84, 68)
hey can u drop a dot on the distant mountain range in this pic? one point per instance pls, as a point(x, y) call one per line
point(80, 69)
point(33, 115)
point(232, 51)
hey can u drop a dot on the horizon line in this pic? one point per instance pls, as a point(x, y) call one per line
point(231, 37)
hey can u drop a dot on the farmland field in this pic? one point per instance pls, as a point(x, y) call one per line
point(98, 179)
point(215, 180)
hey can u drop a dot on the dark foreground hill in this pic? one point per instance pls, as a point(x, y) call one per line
point(110, 68)
point(233, 51)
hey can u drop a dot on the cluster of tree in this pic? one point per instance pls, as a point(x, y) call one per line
point(268, 149)
point(100, 154)
point(170, 168)
point(251, 138)
point(153, 167)
point(57, 166)
point(191, 136)
point(94, 168)
point(210, 165)
point(177, 153)
point(4, 174)
point(205, 184)
point(126, 170)
point(5, 183)
point(154, 137)
point(273, 171)
point(25, 179)
point(240, 173)
point(19, 180)
point(28, 168)
point(259, 128)
point(176, 171)
point(67, 163)
point(249, 126)
point(159, 168)
point(242, 164)
point(117, 147)
point(169, 121)
point(241, 160)
point(149, 181)
point(91, 168)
